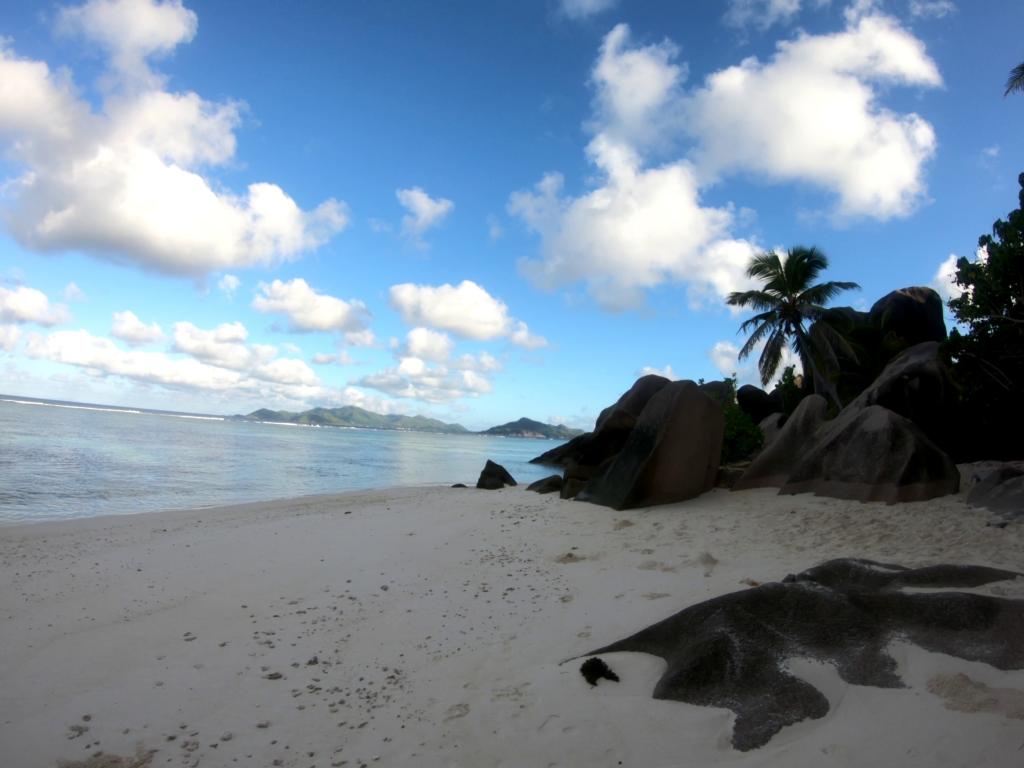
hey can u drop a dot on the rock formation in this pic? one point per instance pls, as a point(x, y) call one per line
point(671, 453)
point(732, 651)
point(494, 476)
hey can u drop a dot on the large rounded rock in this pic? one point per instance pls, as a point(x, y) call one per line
point(757, 403)
point(772, 467)
point(909, 316)
point(610, 431)
point(1001, 489)
point(917, 386)
point(873, 454)
point(671, 454)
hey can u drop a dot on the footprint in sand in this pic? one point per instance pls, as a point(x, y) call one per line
point(455, 711)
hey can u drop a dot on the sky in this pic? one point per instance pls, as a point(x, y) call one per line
point(471, 211)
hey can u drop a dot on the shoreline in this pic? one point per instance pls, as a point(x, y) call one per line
point(437, 619)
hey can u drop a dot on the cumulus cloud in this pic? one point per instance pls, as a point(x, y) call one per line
point(213, 361)
point(812, 114)
point(416, 379)
point(29, 305)
point(9, 337)
point(361, 338)
point(425, 212)
point(228, 284)
point(582, 9)
point(931, 9)
point(130, 329)
point(725, 356)
point(127, 181)
point(760, 13)
point(425, 371)
point(637, 89)
point(336, 358)
point(640, 228)
point(428, 345)
point(667, 372)
point(308, 310)
point(131, 31)
point(944, 279)
point(466, 309)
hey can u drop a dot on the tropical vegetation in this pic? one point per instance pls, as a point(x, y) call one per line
point(987, 350)
point(788, 305)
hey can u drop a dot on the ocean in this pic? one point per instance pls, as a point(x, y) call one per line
point(63, 460)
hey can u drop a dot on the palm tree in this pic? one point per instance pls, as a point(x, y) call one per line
point(787, 306)
point(1016, 80)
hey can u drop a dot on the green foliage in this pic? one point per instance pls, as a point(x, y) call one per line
point(787, 303)
point(791, 393)
point(988, 360)
point(742, 436)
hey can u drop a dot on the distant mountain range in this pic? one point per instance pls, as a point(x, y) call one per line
point(353, 416)
point(529, 428)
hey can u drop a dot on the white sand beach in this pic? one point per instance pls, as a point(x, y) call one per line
point(425, 626)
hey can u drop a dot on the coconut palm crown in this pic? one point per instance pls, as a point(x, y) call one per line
point(1015, 82)
point(787, 304)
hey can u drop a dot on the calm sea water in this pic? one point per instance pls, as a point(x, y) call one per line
point(62, 461)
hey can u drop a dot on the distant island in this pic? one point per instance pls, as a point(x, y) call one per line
point(354, 417)
point(529, 428)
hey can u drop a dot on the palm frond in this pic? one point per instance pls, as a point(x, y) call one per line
point(1015, 82)
point(823, 293)
point(771, 317)
point(771, 356)
point(759, 300)
point(765, 266)
point(755, 338)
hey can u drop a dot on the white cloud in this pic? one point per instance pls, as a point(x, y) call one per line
point(131, 31)
point(640, 228)
point(425, 211)
point(125, 182)
point(725, 356)
point(931, 9)
point(429, 345)
point(667, 372)
point(215, 361)
point(339, 358)
point(581, 9)
point(82, 349)
point(29, 305)
point(992, 151)
point(944, 279)
point(361, 338)
point(308, 310)
point(482, 363)
point(761, 13)
point(414, 378)
point(228, 284)
point(73, 293)
point(223, 346)
point(812, 114)
point(9, 337)
point(638, 91)
point(130, 329)
point(467, 310)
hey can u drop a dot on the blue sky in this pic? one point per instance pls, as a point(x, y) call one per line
point(474, 211)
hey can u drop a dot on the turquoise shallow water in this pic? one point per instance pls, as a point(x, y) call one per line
point(63, 462)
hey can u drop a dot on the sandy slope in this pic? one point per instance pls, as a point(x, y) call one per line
point(437, 618)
